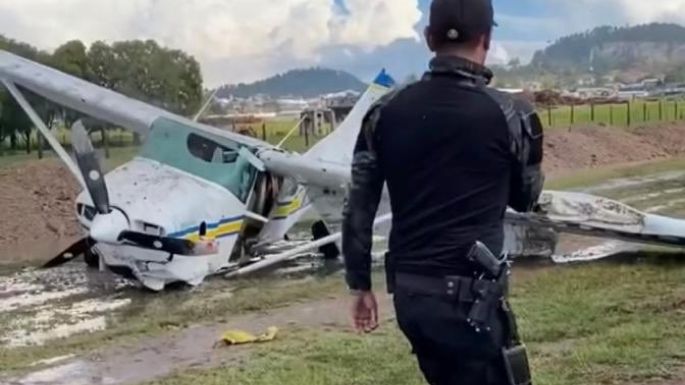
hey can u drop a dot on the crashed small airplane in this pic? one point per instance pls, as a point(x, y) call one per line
point(200, 201)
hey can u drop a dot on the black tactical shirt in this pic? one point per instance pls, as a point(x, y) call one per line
point(454, 154)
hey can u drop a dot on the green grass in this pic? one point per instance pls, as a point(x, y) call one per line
point(605, 323)
point(615, 115)
point(122, 149)
point(594, 176)
point(118, 156)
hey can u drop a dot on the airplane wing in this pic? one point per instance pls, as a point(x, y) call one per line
point(584, 214)
point(95, 101)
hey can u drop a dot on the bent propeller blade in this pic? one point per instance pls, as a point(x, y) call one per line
point(73, 251)
point(90, 167)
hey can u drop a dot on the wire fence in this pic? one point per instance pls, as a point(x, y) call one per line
point(623, 114)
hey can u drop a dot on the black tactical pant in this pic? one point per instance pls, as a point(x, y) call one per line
point(449, 350)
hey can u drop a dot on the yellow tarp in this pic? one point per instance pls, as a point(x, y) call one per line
point(239, 337)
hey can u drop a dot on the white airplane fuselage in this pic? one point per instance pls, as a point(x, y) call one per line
point(163, 201)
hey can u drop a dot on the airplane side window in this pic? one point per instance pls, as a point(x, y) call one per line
point(210, 151)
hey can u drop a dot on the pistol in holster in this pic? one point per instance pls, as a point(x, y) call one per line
point(490, 301)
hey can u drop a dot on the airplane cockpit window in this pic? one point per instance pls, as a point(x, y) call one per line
point(210, 157)
point(209, 150)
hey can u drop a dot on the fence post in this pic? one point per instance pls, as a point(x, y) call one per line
point(630, 111)
point(264, 131)
point(105, 141)
point(661, 110)
point(39, 140)
point(675, 112)
point(549, 115)
point(611, 114)
point(644, 111)
point(306, 137)
point(592, 112)
point(573, 113)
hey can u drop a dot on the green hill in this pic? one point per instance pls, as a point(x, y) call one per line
point(304, 83)
point(655, 47)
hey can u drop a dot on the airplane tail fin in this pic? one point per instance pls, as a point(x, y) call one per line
point(339, 145)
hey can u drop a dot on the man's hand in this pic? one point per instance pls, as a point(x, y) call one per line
point(364, 312)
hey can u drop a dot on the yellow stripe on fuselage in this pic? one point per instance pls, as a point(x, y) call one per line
point(221, 231)
point(286, 209)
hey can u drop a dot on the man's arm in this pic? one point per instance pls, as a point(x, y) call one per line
point(527, 144)
point(361, 205)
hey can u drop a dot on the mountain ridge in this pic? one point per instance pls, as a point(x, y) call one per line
point(297, 83)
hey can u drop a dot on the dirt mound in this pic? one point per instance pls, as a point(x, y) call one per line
point(588, 147)
point(37, 201)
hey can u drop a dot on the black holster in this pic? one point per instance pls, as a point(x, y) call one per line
point(514, 353)
point(491, 300)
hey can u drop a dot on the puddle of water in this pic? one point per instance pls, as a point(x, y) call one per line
point(594, 253)
point(38, 306)
point(72, 373)
point(623, 183)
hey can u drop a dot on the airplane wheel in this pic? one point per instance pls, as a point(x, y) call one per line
point(92, 258)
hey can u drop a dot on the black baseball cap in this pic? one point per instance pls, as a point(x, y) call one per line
point(460, 20)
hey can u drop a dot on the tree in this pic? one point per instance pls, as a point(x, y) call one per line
point(143, 70)
point(514, 63)
point(71, 58)
point(13, 120)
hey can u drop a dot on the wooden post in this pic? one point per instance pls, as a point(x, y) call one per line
point(628, 116)
point(611, 114)
point(675, 112)
point(549, 115)
point(592, 112)
point(40, 145)
point(264, 131)
point(105, 141)
point(644, 111)
point(661, 110)
point(573, 113)
point(306, 137)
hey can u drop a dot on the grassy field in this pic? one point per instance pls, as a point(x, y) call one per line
point(274, 131)
point(608, 323)
point(122, 148)
point(641, 113)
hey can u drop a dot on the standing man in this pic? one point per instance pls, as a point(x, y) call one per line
point(454, 154)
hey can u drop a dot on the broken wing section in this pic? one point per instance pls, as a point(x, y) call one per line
point(584, 214)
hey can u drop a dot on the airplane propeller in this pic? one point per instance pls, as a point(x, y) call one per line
point(90, 168)
point(73, 251)
point(111, 225)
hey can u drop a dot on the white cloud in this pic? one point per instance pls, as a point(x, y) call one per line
point(235, 40)
point(638, 11)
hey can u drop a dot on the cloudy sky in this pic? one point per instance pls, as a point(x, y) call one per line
point(245, 40)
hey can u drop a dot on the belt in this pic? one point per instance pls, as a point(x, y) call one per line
point(456, 287)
